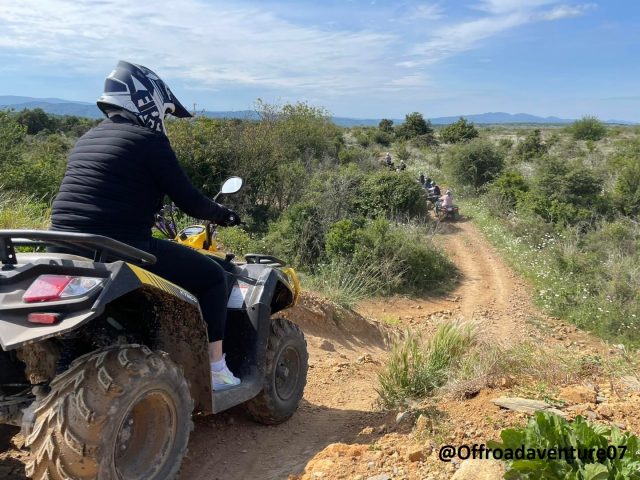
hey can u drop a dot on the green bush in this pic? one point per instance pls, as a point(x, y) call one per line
point(531, 147)
point(12, 136)
point(588, 128)
point(627, 189)
point(548, 431)
point(391, 194)
point(237, 240)
point(460, 131)
point(342, 239)
point(39, 170)
point(510, 186)
point(298, 236)
point(353, 155)
point(474, 164)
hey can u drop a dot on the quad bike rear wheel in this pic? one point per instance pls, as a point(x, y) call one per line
point(119, 413)
point(285, 374)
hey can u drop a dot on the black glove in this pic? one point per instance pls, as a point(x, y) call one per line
point(229, 219)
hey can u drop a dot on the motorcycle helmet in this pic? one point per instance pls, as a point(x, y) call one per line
point(138, 90)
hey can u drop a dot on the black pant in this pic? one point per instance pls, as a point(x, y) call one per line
point(195, 273)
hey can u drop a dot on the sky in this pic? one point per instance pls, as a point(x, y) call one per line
point(356, 58)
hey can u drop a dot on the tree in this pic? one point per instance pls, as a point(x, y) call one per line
point(386, 125)
point(460, 131)
point(588, 128)
point(36, 120)
point(414, 125)
point(474, 163)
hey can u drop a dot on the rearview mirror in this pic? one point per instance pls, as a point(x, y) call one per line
point(232, 185)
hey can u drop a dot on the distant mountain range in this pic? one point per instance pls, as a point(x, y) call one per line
point(58, 106)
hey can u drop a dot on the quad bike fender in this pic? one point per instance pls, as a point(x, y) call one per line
point(120, 278)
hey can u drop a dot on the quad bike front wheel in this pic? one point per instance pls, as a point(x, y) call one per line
point(285, 374)
point(119, 413)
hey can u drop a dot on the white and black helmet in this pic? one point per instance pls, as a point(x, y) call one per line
point(140, 91)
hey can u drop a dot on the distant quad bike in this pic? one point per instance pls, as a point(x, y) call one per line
point(103, 363)
point(447, 213)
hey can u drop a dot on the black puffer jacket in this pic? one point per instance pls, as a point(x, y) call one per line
point(117, 176)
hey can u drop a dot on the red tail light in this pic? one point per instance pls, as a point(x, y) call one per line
point(56, 287)
point(44, 318)
point(46, 287)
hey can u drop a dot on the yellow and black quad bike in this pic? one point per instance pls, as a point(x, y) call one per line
point(103, 364)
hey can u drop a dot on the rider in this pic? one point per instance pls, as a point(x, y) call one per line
point(117, 176)
point(387, 159)
point(421, 179)
point(447, 199)
point(403, 166)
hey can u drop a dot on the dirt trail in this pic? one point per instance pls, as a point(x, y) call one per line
point(346, 351)
point(488, 291)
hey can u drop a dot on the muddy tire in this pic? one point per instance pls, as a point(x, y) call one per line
point(285, 375)
point(119, 413)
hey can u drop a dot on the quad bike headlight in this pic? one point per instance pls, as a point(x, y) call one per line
point(57, 287)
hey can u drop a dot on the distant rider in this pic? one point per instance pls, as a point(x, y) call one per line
point(447, 199)
point(117, 176)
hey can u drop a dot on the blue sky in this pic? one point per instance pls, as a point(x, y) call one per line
point(357, 58)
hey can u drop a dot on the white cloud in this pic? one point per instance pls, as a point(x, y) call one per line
point(427, 11)
point(507, 6)
point(211, 44)
point(566, 11)
point(503, 15)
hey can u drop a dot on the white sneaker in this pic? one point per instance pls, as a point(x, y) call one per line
point(224, 379)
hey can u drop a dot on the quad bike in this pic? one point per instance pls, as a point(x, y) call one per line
point(447, 213)
point(103, 363)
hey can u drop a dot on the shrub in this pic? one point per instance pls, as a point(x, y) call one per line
point(510, 186)
point(342, 239)
point(531, 147)
point(391, 194)
point(588, 128)
point(548, 431)
point(417, 369)
point(353, 155)
point(460, 131)
point(237, 240)
point(298, 236)
point(474, 163)
point(12, 135)
point(627, 189)
point(39, 170)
